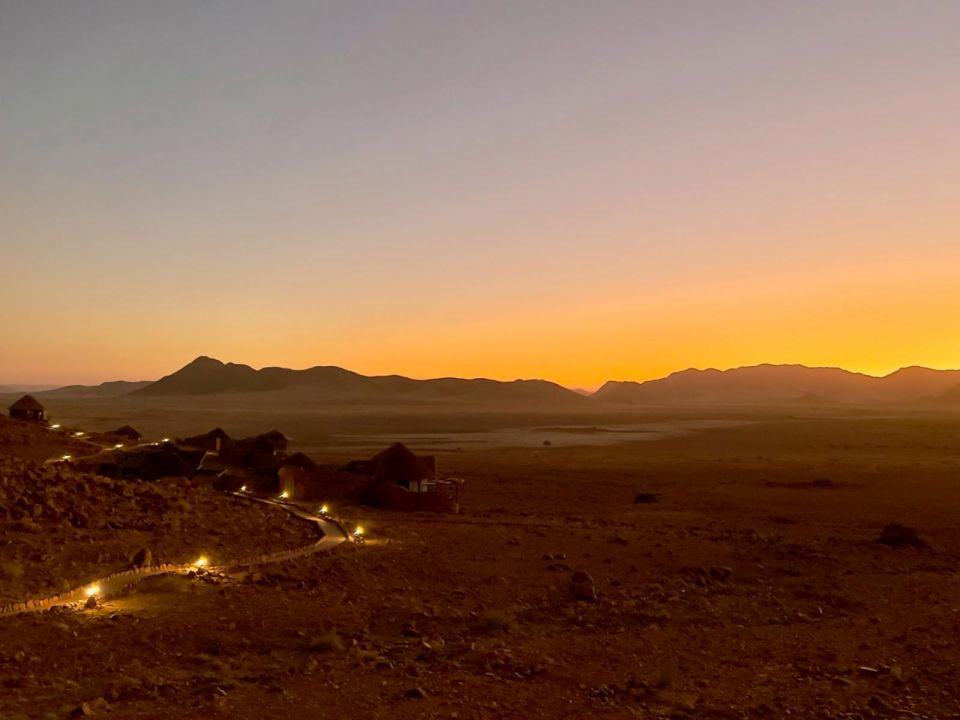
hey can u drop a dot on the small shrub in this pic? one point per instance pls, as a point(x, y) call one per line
point(666, 674)
point(11, 570)
point(328, 643)
point(495, 621)
point(825, 484)
point(896, 535)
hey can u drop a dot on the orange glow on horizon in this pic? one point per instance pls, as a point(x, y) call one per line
point(871, 318)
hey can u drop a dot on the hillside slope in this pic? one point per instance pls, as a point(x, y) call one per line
point(115, 388)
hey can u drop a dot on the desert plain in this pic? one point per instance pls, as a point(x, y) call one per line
point(727, 568)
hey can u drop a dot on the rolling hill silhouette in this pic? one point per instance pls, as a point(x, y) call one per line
point(785, 384)
point(788, 385)
point(114, 388)
point(207, 376)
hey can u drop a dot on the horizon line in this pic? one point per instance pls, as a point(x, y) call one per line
point(48, 386)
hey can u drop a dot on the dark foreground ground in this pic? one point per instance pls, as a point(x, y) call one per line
point(752, 588)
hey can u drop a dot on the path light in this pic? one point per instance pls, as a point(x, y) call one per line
point(243, 488)
point(92, 590)
point(78, 433)
point(165, 440)
point(55, 426)
point(66, 457)
point(201, 562)
point(358, 532)
point(118, 445)
point(324, 510)
point(284, 495)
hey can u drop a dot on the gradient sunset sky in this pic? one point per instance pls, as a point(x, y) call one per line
point(580, 191)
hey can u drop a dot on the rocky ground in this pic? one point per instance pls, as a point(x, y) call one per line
point(29, 441)
point(713, 576)
point(60, 528)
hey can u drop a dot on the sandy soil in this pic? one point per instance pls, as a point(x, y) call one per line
point(752, 588)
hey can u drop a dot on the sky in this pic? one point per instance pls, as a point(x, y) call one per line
point(579, 191)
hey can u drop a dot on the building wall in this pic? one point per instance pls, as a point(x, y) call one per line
point(292, 481)
point(29, 415)
point(332, 486)
point(394, 497)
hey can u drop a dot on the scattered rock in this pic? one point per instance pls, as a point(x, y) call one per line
point(896, 535)
point(721, 572)
point(144, 558)
point(416, 693)
point(583, 587)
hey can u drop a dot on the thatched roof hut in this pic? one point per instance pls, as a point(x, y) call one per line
point(127, 432)
point(215, 440)
point(28, 408)
point(399, 466)
point(299, 460)
point(276, 439)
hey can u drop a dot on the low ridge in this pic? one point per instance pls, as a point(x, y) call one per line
point(784, 384)
point(765, 384)
point(207, 376)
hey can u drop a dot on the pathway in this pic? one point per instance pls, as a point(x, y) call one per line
point(112, 584)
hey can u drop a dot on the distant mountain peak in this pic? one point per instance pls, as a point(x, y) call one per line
point(205, 360)
point(769, 384)
point(915, 371)
point(764, 384)
point(328, 384)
